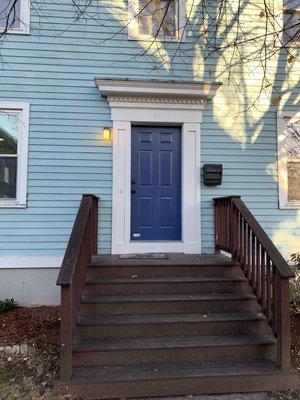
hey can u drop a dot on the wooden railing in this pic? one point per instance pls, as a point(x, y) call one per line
point(238, 233)
point(82, 245)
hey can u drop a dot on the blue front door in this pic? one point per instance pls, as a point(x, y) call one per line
point(155, 183)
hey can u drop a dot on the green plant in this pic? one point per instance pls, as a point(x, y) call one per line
point(8, 304)
point(295, 258)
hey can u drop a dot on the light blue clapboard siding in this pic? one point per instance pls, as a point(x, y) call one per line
point(54, 69)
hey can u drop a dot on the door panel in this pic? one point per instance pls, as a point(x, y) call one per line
point(155, 183)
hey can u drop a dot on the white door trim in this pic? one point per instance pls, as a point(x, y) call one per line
point(160, 104)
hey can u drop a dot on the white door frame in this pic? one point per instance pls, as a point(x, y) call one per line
point(156, 103)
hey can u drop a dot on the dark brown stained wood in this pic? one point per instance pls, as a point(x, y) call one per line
point(216, 297)
point(165, 304)
point(158, 333)
point(184, 324)
point(163, 270)
point(168, 330)
point(173, 350)
point(173, 260)
point(169, 318)
point(82, 245)
point(177, 379)
point(169, 343)
point(264, 267)
point(169, 280)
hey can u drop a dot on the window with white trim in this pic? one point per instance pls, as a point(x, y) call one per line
point(289, 159)
point(15, 16)
point(291, 21)
point(13, 154)
point(156, 19)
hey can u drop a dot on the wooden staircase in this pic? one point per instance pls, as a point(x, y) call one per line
point(188, 324)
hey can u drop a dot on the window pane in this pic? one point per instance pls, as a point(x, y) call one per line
point(8, 177)
point(9, 12)
point(291, 4)
point(293, 139)
point(291, 27)
point(9, 127)
point(157, 18)
point(293, 181)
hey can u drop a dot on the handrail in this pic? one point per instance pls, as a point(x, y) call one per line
point(81, 246)
point(238, 233)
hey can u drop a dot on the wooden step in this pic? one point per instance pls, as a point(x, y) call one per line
point(181, 349)
point(165, 285)
point(153, 325)
point(143, 271)
point(177, 379)
point(172, 303)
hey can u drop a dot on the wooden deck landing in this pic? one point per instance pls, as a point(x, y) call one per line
point(172, 259)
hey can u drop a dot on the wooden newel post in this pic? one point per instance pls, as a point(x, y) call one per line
point(66, 332)
point(283, 334)
point(95, 209)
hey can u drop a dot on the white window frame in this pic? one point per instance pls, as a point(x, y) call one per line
point(24, 19)
point(282, 160)
point(133, 23)
point(22, 110)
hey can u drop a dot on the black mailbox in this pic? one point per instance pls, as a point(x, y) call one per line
point(212, 174)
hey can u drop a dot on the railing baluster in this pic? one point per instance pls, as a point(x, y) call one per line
point(269, 291)
point(264, 287)
point(253, 246)
point(257, 266)
point(248, 252)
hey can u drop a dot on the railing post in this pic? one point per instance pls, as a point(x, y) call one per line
point(217, 226)
point(95, 212)
point(283, 319)
point(66, 332)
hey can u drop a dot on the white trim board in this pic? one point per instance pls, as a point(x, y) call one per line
point(30, 262)
point(160, 103)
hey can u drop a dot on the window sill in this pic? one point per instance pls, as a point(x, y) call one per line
point(156, 38)
point(16, 31)
point(290, 206)
point(11, 204)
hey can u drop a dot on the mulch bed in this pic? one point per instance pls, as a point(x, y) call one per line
point(37, 327)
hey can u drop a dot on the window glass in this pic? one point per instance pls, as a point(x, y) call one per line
point(9, 132)
point(157, 18)
point(293, 181)
point(291, 20)
point(293, 159)
point(10, 14)
point(291, 27)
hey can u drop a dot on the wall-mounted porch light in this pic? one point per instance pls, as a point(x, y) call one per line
point(106, 134)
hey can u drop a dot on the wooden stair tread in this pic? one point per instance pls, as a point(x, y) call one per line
point(83, 345)
point(92, 320)
point(174, 259)
point(167, 297)
point(149, 280)
point(176, 371)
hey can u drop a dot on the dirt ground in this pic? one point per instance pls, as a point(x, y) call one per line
point(31, 376)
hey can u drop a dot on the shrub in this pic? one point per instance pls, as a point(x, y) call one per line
point(7, 304)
